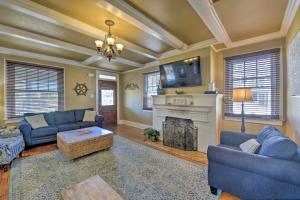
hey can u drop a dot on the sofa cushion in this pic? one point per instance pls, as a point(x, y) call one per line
point(229, 147)
point(36, 121)
point(296, 157)
point(267, 132)
point(67, 127)
point(50, 118)
point(45, 131)
point(80, 113)
point(64, 117)
point(278, 147)
point(86, 124)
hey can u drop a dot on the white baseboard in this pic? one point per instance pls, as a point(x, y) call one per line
point(134, 124)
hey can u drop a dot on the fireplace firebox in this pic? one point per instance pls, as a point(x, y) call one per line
point(180, 133)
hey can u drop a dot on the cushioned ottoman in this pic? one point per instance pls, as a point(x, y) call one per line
point(11, 144)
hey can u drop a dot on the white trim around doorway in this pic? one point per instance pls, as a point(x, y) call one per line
point(98, 73)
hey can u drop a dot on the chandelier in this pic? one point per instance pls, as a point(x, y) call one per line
point(108, 47)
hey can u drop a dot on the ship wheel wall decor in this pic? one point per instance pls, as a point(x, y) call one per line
point(80, 89)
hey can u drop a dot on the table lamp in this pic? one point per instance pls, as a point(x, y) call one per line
point(242, 95)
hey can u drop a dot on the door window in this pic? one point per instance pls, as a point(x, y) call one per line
point(107, 97)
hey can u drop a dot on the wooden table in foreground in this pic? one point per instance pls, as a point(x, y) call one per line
point(80, 142)
point(93, 188)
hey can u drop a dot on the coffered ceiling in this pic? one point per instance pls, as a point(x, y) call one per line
point(149, 29)
point(244, 19)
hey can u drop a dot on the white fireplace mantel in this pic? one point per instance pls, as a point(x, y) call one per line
point(204, 109)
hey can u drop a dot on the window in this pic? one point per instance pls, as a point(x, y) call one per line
point(33, 88)
point(107, 97)
point(151, 81)
point(107, 77)
point(261, 72)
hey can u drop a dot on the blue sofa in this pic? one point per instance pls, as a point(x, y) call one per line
point(57, 121)
point(255, 176)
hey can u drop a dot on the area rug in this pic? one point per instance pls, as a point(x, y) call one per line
point(135, 171)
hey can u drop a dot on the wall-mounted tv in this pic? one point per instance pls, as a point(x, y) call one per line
point(184, 73)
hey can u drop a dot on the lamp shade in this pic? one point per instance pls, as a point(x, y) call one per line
point(99, 43)
point(242, 94)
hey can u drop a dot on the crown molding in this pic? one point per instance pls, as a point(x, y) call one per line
point(42, 57)
point(133, 16)
point(190, 48)
point(261, 38)
point(289, 15)
point(207, 12)
point(43, 13)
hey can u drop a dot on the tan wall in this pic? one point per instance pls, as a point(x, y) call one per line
point(132, 100)
point(294, 28)
point(235, 125)
point(73, 74)
point(213, 69)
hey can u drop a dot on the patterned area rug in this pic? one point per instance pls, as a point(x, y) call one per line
point(135, 171)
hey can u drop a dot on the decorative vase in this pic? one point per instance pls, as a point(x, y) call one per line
point(160, 91)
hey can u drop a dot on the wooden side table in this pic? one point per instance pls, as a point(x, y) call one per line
point(93, 188)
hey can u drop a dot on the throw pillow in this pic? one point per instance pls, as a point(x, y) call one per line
point(296, 157)
point(267, 132)
point(36, 121)
point(250, 146)
point(89, 116)
point(278, 147)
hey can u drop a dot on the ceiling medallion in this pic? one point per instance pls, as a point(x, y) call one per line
point(108, 47)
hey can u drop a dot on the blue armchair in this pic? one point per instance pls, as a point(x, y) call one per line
point(252, 176)
point(11, 145)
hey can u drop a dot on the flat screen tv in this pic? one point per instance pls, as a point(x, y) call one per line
point(184, 73)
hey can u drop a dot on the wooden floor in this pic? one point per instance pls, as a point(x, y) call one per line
point(128, 132)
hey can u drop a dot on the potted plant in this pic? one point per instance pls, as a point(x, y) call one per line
point(152, 134)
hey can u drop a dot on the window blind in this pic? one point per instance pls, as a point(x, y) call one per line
point(261, 72)
point(151, 81)
point(32, 88)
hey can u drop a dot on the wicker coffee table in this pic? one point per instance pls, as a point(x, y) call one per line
point(80, 142)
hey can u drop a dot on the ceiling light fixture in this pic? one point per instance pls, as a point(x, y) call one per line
point(108, 47)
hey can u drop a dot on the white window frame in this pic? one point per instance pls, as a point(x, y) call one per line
point(282, 80)
point(16, 120)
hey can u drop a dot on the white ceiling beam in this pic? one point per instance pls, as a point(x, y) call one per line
point(123, 61)
point(91, 60)
point(289, 15)
point(27, 54)
point(127, 62)
point(208, 14)
point(190, 48)
point(40, 39)
point(43, 40)
point(41, 12)
point(133, 16)
point(147, 65)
